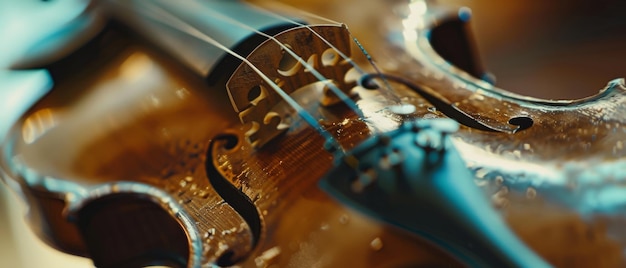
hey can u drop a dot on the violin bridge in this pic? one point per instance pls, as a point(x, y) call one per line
point(253, 99)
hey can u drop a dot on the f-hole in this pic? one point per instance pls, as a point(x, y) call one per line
point(131, 230)
point(523, 122)
point(239, 201)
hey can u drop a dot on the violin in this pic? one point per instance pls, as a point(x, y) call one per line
point(225, 133)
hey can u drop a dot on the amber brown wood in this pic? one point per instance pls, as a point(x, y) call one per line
point(171, 132)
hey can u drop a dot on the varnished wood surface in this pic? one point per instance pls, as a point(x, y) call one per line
point(165, 142)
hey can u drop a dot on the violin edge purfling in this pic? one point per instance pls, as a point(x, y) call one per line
point(294, 222)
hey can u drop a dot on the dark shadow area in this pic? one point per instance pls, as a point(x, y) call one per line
point(558, 49)
point(125, 230)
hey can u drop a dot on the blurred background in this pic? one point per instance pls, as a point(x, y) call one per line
point(559, 49)
point(25, 25)
point(19, 247)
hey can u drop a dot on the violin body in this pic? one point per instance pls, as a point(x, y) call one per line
point(148, 157)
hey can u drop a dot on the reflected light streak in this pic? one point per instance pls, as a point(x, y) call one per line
point(38, 124)
point(535, 173)
point(414, 21)
point(136, 66)
point(18, 91)
point(415, 18)
point(418, 8)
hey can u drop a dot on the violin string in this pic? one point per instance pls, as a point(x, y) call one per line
point(328, 43)
point(331, 143)
point(338, 92)
point(386, 89)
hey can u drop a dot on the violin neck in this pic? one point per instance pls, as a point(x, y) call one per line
point(178, 29)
